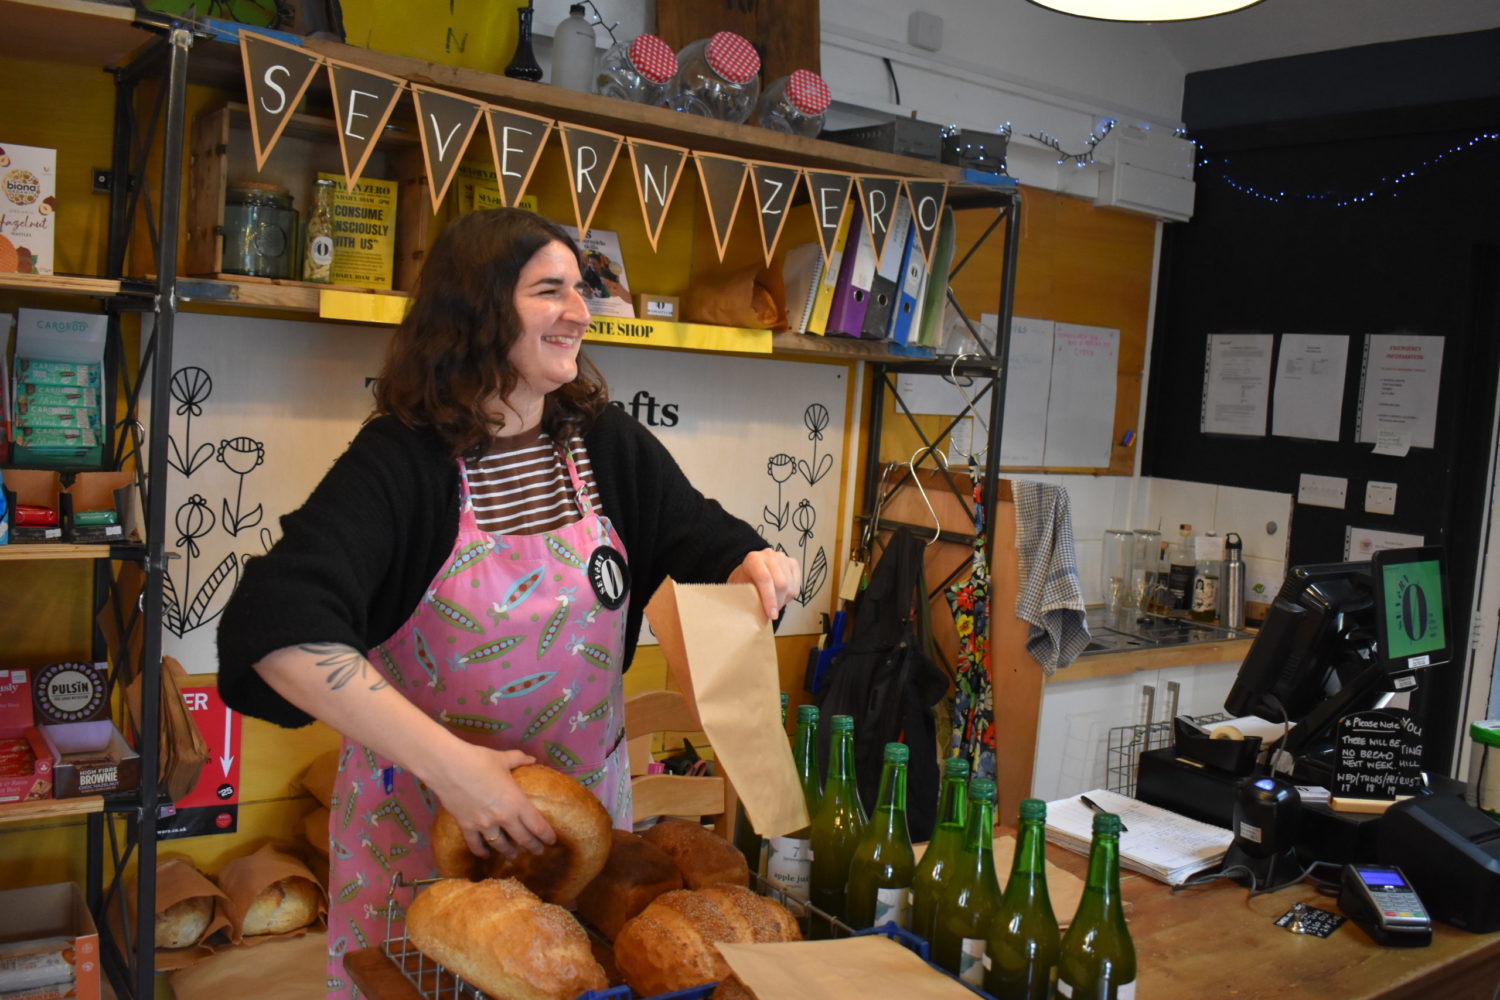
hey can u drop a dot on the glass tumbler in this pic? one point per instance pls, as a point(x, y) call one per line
point(1145, 554)
point(1114, 574)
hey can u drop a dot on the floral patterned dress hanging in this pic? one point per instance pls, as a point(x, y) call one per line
point(973, 704)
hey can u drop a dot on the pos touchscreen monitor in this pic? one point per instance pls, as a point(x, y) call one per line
point(1341, 638)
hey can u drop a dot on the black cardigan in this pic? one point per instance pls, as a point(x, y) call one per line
point(354, 561)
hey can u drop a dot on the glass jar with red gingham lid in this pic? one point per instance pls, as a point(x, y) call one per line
point(795, 104)
point(639, 70)
point(717, 77)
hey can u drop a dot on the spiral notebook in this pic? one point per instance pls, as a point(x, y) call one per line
point(1157, 842)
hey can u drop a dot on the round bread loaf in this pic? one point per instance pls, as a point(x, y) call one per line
point(184, 922)
point(500, 937)
point(670, 945)
point(560, 872)
point(282, 906)
point(703, 857)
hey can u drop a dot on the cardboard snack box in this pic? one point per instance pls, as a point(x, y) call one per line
point(28, 208)
point(56, 910)
point(90, 758)
point(28, 774)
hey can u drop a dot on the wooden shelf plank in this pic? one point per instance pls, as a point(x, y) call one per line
point(79, 32)
point(52, 550)
point(46, 809)
point(63, 284)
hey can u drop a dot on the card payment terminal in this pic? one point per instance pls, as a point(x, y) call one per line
point(1383, 903)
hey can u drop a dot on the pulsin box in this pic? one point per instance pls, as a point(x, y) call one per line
point(28, 208)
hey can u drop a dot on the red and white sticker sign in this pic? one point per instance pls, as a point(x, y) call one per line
point(213, 804)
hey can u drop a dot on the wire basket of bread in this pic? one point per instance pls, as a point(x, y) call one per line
point(647, 910)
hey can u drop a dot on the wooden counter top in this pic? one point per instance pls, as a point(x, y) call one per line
point(1131, 661)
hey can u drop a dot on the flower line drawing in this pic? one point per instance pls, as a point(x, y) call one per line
point(780, 468)
point(241, 455)
point(190, 387)
point(815, 419)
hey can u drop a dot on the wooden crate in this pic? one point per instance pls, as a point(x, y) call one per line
point(223, 155)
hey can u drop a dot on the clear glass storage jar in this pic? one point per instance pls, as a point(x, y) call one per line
point(639, 70)
point(717, 77)
point(260, 231)
point(795, 104)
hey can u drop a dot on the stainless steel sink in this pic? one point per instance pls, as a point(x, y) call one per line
point(1118, 632)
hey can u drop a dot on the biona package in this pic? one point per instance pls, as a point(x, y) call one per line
point(28, 208)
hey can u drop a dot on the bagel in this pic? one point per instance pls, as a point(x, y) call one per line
point(560, 872)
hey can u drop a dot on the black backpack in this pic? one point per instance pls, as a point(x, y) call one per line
point(886, 679)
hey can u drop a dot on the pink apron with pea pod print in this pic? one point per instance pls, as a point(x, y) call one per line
point(517, 645)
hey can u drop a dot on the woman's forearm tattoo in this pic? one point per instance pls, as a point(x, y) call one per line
point(343, 663)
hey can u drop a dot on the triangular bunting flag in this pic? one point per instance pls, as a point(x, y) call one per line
point(516, 141)
point(276, 77)
point(362, 103)
point(774, 185)
point(591, 157)
point(657, 168)
point(927, 198)
point(829, 193)
point(446, 123)
point(723, 179)
point(877, 195)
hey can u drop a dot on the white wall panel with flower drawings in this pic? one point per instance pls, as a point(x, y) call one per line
point(261, 408)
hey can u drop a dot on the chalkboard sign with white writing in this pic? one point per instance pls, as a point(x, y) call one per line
point(1378, 755)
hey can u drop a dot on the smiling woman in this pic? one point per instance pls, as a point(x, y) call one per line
point(455, 597)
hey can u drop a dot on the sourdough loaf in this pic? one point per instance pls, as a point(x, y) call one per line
point(500, 937)
point(636, 873)
point(285, 905)
point(702, 856)
point(560, 872)
point(670, 945)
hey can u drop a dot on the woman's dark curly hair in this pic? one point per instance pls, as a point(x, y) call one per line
point(450, 356)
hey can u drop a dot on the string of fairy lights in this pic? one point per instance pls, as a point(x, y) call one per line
point(1386, 186)
point(1081, 159)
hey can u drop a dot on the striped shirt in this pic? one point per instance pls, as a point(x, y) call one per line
point(521, 487)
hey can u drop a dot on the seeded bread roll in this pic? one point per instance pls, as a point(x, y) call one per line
point(702, 856)
point(670, 945)
point(500, 937)
point(636, 873)
point(561, 871)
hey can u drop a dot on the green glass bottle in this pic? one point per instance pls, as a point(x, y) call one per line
point(789, 858)
point(880, 873)
point(936, 866)
point(1023, 940)
point(1097, 957)
point(750, 843)
point(971, 900)
point(837, 827)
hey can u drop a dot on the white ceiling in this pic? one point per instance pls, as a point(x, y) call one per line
point(1275, 28)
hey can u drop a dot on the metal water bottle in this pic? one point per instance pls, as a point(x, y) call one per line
point(1232, 584)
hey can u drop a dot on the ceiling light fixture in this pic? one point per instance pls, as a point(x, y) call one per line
point(1145, 10)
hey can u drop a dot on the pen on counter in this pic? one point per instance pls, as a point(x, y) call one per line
point(1095, 807)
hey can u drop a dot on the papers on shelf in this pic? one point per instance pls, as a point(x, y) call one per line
point(1156, 842)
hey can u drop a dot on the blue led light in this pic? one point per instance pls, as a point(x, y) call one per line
point(1266, 785)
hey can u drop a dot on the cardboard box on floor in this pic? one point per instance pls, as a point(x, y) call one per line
point(55, 910)
point(722, 653)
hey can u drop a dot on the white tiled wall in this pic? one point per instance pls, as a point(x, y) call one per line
point(1259, 517)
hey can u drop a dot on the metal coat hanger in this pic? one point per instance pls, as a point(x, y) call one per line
point(970, 409)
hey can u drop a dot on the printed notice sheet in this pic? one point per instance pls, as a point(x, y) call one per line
point(1081, 404)
point(1399, 391)
point(1154, 841)
point(1236, 383)
point(1310, 386)
point(1028, 383)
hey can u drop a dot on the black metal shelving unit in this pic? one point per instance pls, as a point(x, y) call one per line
point(984, 365)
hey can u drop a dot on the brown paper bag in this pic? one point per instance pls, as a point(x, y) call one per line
point(722, 654)
point(183, 749)
point(178, 879)
point(283, 969)
point(244, 878)
point(855, 968)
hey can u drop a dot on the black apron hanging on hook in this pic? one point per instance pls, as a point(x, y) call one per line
point(885, 678)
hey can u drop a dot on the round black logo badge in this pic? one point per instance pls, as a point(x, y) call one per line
point(609, 576)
